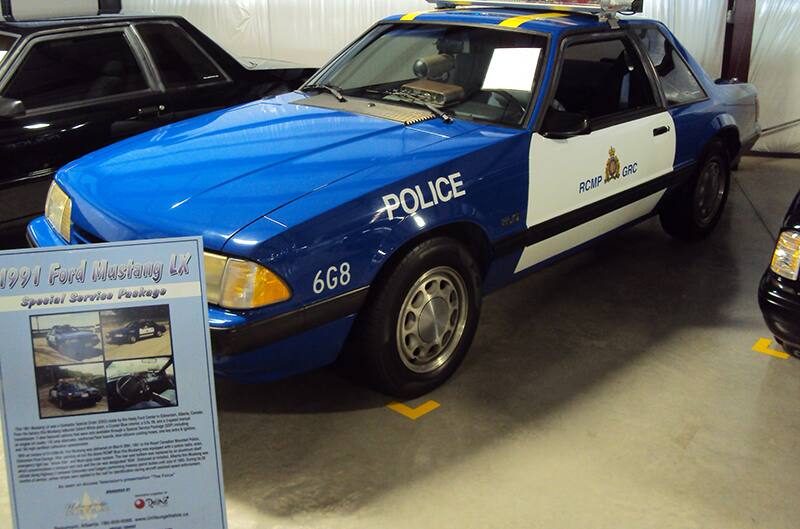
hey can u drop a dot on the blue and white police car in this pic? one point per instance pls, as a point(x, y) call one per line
point(442, 155)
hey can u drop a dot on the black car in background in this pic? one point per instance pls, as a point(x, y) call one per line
point(779, 295)
point(71, 86)
point(73, 394)
point(137, 330)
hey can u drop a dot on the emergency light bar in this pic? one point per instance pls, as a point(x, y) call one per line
point(605, 9)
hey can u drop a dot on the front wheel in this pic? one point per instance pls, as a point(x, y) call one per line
point(694, 210)
point(420, 320)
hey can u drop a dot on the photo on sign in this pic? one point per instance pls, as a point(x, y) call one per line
point(78, 389)
point(141, 384)
point(65, 339)
point(138, 332)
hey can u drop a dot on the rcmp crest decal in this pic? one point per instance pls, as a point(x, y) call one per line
point(613, 166)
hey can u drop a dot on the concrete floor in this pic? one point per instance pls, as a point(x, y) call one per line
point(616, 389)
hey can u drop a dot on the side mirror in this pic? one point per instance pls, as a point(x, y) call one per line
point(564, 125)
point(11, 108)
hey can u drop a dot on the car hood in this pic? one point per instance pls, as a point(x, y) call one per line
point(215, 174)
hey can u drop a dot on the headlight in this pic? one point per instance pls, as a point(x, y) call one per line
point(786, 261)
point(58, 211)
point(238, 284)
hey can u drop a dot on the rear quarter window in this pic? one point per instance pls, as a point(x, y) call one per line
point(178, 58)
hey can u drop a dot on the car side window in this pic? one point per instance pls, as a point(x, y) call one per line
point(178, 58)
point(602, 78)
point(73, 69)
point(679, 83)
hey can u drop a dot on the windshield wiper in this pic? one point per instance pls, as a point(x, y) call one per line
point(447, 118)
point(331, 89)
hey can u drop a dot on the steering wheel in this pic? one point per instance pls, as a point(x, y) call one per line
point(133, 389)
point(510, 99)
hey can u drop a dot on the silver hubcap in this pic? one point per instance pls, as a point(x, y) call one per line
point(709, 193)
point(432, 320)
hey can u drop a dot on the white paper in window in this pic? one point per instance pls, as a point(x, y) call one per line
point(512, 69)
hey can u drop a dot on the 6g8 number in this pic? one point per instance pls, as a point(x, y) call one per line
point(332, 278)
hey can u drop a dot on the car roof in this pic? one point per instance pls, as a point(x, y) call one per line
point(541, 20)
point(30, 27)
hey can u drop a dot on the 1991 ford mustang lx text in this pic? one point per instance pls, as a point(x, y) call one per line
point(439, 157)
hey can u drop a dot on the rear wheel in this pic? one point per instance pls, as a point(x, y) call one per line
point(420, 320)
point(132, 339)
point(694, 210)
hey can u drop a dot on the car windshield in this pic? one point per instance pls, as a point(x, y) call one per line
point(74, 387)
point(131, 367)
point(6, 43)
point(66, 328)
point(470, 73)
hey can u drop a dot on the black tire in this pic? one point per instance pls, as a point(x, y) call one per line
point(682, 213)
point(132, 339)
point(376, 340)
point(159, 334)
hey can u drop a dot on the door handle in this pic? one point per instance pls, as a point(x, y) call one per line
point(661, 131)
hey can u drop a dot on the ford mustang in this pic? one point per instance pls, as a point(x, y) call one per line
point(73, 394)
point(442, 155)
point(66, 338)
point(135, 331)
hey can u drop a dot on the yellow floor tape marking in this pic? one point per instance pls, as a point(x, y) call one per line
point(762, 346)
point(413, 413)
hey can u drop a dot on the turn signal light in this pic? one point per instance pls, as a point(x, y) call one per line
point(239, 284)
point(786, 261)
point(58, 211)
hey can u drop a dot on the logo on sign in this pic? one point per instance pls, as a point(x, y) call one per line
point(86, 508)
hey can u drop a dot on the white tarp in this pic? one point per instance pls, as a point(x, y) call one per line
point(775, 70)
point(307, 32)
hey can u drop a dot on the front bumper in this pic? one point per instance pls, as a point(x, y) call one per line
point(779, 300)
point(269, 348)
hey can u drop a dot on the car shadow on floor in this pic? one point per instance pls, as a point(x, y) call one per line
point(317, 443)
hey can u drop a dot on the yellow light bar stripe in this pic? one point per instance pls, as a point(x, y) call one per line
point(412, 16)
point(518, 21)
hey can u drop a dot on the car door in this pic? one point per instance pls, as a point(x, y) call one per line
point(81, 90)
point(586, 182)
point(194, 82)
point(146, 330)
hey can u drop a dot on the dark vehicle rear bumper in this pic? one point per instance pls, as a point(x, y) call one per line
point(780, 303)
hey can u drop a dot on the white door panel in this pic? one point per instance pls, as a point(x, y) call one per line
point(567, 175)
point(559, 167)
